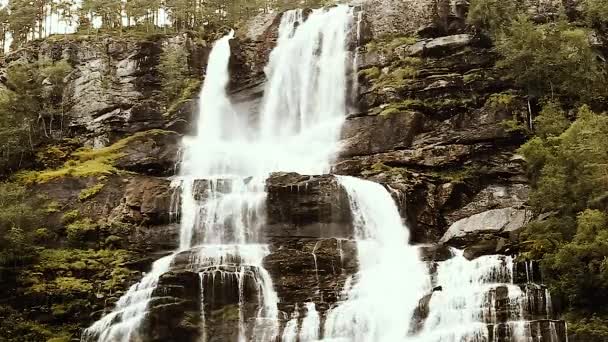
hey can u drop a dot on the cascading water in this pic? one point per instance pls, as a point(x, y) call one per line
point(391, 278)
point(221, 180)
point(479, 302)
point(123, 322)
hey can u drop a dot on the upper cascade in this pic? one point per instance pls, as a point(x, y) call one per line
point(303, 109)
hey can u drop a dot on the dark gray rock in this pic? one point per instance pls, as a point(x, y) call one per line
point(307, 206)
point(367, 135)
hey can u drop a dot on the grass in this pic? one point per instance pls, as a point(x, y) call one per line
point(90, 192)
point(86, 162)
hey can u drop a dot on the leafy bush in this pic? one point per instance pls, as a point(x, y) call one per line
point(20, 216)
point(492, 16)
point(568, 169)
point(551, 59)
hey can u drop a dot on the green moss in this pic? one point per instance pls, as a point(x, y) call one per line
point(42, 235)
point(399, 107)
point(52, 207)
point(51, 156)
point(190, 89)
point(400, 41)
point(370, 73)
point(63, 272)
point(396, 77)
point(454, 175)
point(228, 313)
point(86, 162)
point(388, 43)
point(66, 338)
point(388, 111)
point(80, 230)
point(90, 192)
point(70, 216)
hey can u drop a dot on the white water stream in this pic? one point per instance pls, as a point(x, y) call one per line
point(391, 278)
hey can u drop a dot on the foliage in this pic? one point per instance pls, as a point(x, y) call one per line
point(91, 192)
point(492, 16)
point(594, 328)
point(568, 168)
point(69, 271)
point(550, 59)
point(32, 100)
point(86, 162)
point(596, 13)
point(173, 68)
point(551, 121)
point(70, 216)
point(80, 231)
point(20, 216)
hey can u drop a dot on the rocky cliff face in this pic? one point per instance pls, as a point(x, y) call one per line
point(431, 124)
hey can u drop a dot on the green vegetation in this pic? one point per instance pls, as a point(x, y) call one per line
point(81, 231)
point(19, 219)
point(567, 164)
point(91, 192)
point(174, 71)
point(551, 59)
point(32, 101)
point(492, 16)
point(86, 162)
point(556, 67)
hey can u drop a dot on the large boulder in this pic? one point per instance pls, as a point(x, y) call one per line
point(494, 222)
point(494, 196)
point(152, 153)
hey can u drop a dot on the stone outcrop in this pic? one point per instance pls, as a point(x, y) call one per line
point(151, 154)
point(495, 221)
point(306, 206)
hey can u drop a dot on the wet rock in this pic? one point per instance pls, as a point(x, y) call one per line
point(488, 246)
point(435, 253)
point(174, 310)
point(305, 270)
point(306, 206)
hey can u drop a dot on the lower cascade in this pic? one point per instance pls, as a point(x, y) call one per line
point(222, 193)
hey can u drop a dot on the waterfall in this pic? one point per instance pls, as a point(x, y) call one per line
point(391, 278)
point(479, 301)
point(310, 324)
point(224, 167)
point(121, 324)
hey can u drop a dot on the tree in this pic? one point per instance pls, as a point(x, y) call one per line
point(552, 121)
point(173, 68)
point(551, 59)
point(19, 218)
point(569, 173)
point(492, 16)
point(21, 21)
